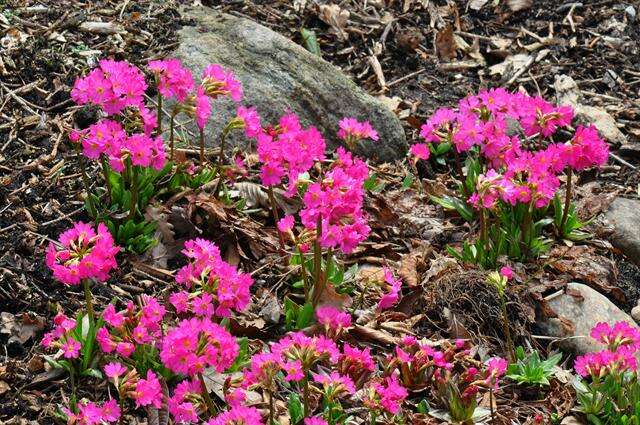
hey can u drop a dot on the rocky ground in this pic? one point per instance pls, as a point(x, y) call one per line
point(392, 62)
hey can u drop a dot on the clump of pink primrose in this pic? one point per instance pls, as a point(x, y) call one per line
point(385, 396)
point(62, 337)
point(89, 413)
point(218, 288)
point(217, 81)
point(83, 253)
point(195, 344)
point(389, 299)
point(174, 81)
point(238, 415)
point(333, 207)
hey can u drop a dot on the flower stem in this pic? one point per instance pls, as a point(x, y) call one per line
point(223, 140)
point(317, 263)
point(211, 408)
point(305, 278)
point(567, 202)
point(202, 147)
point(171, 119)
point(159, 111)
point(87, 298)
point(274, 212)
point(271, 407)
point(85, 181)
point(507, 329)
point(134, 193)
point(493, 418)
point(374, 418)
point(305, 396)
point(105, 173)
point(460, 173)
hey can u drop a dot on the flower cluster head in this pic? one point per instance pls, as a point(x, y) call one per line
point(217, 81)
point(619, 335)
point(108, 139)
point(334, 385)
point(315, 420)
point(417, 362)
point(113, 86)
point(420, 151)
point(517, 173)
point(83, 253)
point(356, 363)
point(194, 344)
point(352, 130)
point(238, 415)
point(148, 391)
point(89, 413)
point(623, 343)
point(308, 350)
point(496, 367)
point(186, 400)
point(264, 367)
point(393, 295)
point(249, 120)
point(335, 321)
point(131, 327)
point(62, 337)
point(220, 286)
point(174, 80)
point(336, 204)
point(385, 396)
point(288, 150)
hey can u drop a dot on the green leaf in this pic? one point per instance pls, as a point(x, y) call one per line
point(305, 316)
point(296, 410)
point(95, 373)
point(371, 182)
point(310, 41)
point(408, 181)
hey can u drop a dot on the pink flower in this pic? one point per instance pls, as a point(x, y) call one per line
point(387, 395)
point(111, 317)
point(181, 404)
point(114, 370)
point(238, 415)
point(605, 362)
point(197, 343)
point(250, 121)
point(71, 348)
point(226, 288)
point(391, 297)
point(202, 108)
point(335, 321)
point(148, 391)
point(335, 385)
point(620, 334)
point(113, 86)
point(351, 130)
point(587, 149)
point(286, 223)
point(173, 79)
point(507, 272)
point(218, 81)
point(83, 254)
point(420, 151)
point(496, 367)
point(315, 421)
point(90, 413)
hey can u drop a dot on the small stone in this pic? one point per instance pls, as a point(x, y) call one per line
point(635, 313)
point(624, 215)
point(630, 11)
point(578, 311)
point(279, 75)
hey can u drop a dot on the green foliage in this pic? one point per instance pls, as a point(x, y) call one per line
point(571, 228)
point(530, 369)
point(296, 410)
point(297, 316)
point(86, 364)
point(310, 41)
point(614, 399)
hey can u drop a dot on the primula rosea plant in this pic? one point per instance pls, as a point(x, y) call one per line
point(610, 389)
point(155, 354)
point(517, 147)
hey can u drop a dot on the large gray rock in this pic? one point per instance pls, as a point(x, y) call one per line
point(579, 309)
point(624, 216)
point(278, 74)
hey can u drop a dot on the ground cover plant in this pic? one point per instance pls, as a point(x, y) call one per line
point(209, 260)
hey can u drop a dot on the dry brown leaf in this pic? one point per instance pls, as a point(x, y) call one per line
point(374, 334)
point(446, 44)
point(336, 18)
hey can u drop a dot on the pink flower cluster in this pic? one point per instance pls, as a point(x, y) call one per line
point(335, 321)
point(352, 130)
point(218, 81)
point(130, 328)
point(83, 254)
point(356, 363)
point(238, 415)
point(623, 343)
point(288, 150)
point(183, 405)
point(385, 396)
point(335, 385)
point(62, 337)
point(391, 297)
point(221, 287)
point(195, 344)
point(516, 174)
point(174, 81)
point(336, 203)
point(108, 138)
point(90, 413)
point(113, 86)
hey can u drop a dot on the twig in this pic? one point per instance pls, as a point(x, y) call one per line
point(63, 217)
